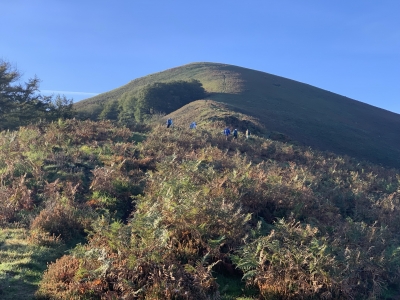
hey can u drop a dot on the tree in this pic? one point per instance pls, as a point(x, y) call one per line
point(126, 108)
point(110, 111)
point(22, 104)
point(59, 107)
point(159, 97)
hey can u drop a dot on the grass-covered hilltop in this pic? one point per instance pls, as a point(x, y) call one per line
point(113, 205)
point(305, 114)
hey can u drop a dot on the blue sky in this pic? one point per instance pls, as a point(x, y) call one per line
point(80, 48)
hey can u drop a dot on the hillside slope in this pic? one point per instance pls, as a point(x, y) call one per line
point(308, 115)
point(188, 214)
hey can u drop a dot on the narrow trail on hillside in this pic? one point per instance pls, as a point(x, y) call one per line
point(224, 84)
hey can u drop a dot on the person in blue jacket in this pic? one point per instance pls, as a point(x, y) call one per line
point(227, 132)
point(169, 123)
point(193, 125)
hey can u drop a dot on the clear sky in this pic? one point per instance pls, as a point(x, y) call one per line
point(83, 47)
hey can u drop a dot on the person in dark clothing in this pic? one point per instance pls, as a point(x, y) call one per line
point(235, 134)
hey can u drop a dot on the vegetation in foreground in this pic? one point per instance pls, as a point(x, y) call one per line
point(186, 214)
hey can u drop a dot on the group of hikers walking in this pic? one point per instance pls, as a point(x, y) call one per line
point(227, 131)
point(235, 134)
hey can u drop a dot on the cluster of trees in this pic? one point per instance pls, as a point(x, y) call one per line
point(22, 104)
point(159, 97)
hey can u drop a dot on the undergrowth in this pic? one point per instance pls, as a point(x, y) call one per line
point(183, 212)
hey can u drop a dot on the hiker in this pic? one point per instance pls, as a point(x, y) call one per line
point(247, 134)
point(227, 132)
point(193, 125)
point(169, 123)
point(235, 134)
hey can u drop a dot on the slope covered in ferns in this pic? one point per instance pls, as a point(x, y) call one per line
point(186, 214)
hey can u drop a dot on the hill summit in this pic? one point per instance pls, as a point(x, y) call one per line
point(303, 113)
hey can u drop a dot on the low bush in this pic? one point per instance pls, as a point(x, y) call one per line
point(292, 261)
point(58, 280)
point(60, 220)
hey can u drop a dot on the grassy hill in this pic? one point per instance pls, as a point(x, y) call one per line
point(306, 114)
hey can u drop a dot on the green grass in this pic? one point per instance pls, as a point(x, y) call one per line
point(233, 288)
point(308, 115)
point(22, 264)
point(138, 137)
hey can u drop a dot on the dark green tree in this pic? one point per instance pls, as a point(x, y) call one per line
point(126, 108)
point(110, 111)
point(160, 97)
point(22, 104)
point(60, 107)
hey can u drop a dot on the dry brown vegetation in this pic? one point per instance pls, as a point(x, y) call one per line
point(163, 217)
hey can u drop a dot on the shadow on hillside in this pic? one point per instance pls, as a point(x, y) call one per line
point(327, 132)
point(228, 99)
point(241, 125)
point(12, 287)
point(16, 280)
point(22, 265)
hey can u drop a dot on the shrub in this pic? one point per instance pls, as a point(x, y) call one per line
point(117, 265)
point(14, 199)
point(291, 262)
point(58, 280)
point(60, 220)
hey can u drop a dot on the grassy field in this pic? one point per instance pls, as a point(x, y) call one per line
point(307, 114)
point(22, 263)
